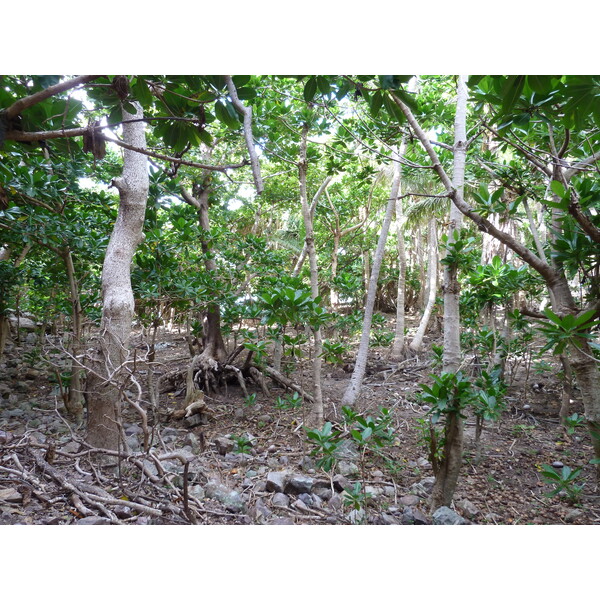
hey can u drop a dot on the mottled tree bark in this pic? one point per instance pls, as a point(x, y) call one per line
point(104, 425)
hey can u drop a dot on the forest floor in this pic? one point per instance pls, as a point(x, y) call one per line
point(250, 462)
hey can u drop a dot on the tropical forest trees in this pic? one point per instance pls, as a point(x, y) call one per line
point(288, 226)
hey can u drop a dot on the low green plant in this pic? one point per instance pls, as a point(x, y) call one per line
point(379, 337)
point(563, 480)
point(242, 444)
point(326, 442)
point(288, 402)
point(355, 497)
point(574, 421)
point(522, 429)
point(333, 352)
point(250, 400)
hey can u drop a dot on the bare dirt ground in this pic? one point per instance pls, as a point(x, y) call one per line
point(236, 466)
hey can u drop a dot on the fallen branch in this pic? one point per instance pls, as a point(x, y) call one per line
point(285, 382)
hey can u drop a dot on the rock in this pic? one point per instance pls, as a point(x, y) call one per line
point(412, 516)
point(557, 464)
point(356, 517)
point(493, 517)
point(423, 463)
point(299, 484)
point(10, 495)
point(239, 413)
point(24, 323)
point(231, 499)
point(410, 500)
point(335, 502)
point(307, 499)
point(467, 508)
point(195, 420)
point(385, 519)
point(197, 491)
point(276, 481)
point(446, 516)
point(347, 450)
point(389, 491)
point(306, 463)
point(224, 445)
point(281, 521)
point(573, 515)
point(260, 512)
point(347, 469)
point(317, 502)
point(93, 521)
point(280, 499)
point(301, 506)
point(260, 487)
point(322, 489)
point(71, 447)
point(14, 414)
point(340, 483)
point(422, 488)
point(5, 437)
point(284, 460)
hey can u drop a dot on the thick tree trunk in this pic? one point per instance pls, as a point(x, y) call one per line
point(104, 426)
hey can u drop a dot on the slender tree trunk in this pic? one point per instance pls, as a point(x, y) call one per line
point(352, 392)
point(398, 345)
point(316, 415)
point(74, 401)
point(104, 425)
point(447, 477)
point(417, 341)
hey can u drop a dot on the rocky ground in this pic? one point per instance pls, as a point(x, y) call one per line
point(249, 461)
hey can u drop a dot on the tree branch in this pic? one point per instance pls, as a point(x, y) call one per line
point(23, 103)
point(246, 112)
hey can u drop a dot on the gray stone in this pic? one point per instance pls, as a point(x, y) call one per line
point(356, 517)
point(10, 495)
point(301, 506)
point(423, 463)
point(340, 483)
point(410, 500)
point(322, 489)
point(467, 508)
point(307, 499)
point(281, 521)
point(557, 464)
point(317, 502)
point(347, 450)
point(446, 516)
point(492, 517)
point(93, 521)
point(260, 487)
point(573, 515)
point(71, 447)
point(412, 516)
point(5, 437)
point(347, 469)
point(15, 413)
point(260, 512)
point(389, 491)
point(239, 413)
point(231, 499)
point(299, 484)
point(224, 445)
point(306, 463)
point(280, 499)
point(336, 502)
point(385, 519)
point(422, 488)
point(284, 460)
point(197, 491)
point(276, 481)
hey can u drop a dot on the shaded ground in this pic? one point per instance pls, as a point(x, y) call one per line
point(250, 462)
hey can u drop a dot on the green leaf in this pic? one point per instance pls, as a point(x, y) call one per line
point(310, 89)
point(323, 85)
point(142, 93)
point(511, 91)
point(541, 84)
point(559, 189)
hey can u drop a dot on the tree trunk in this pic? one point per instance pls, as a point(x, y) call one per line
point(316, 416)
point(417, 341)
point(447, 477)
point(352, 392)
point(398, 345)
point(104, 425)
